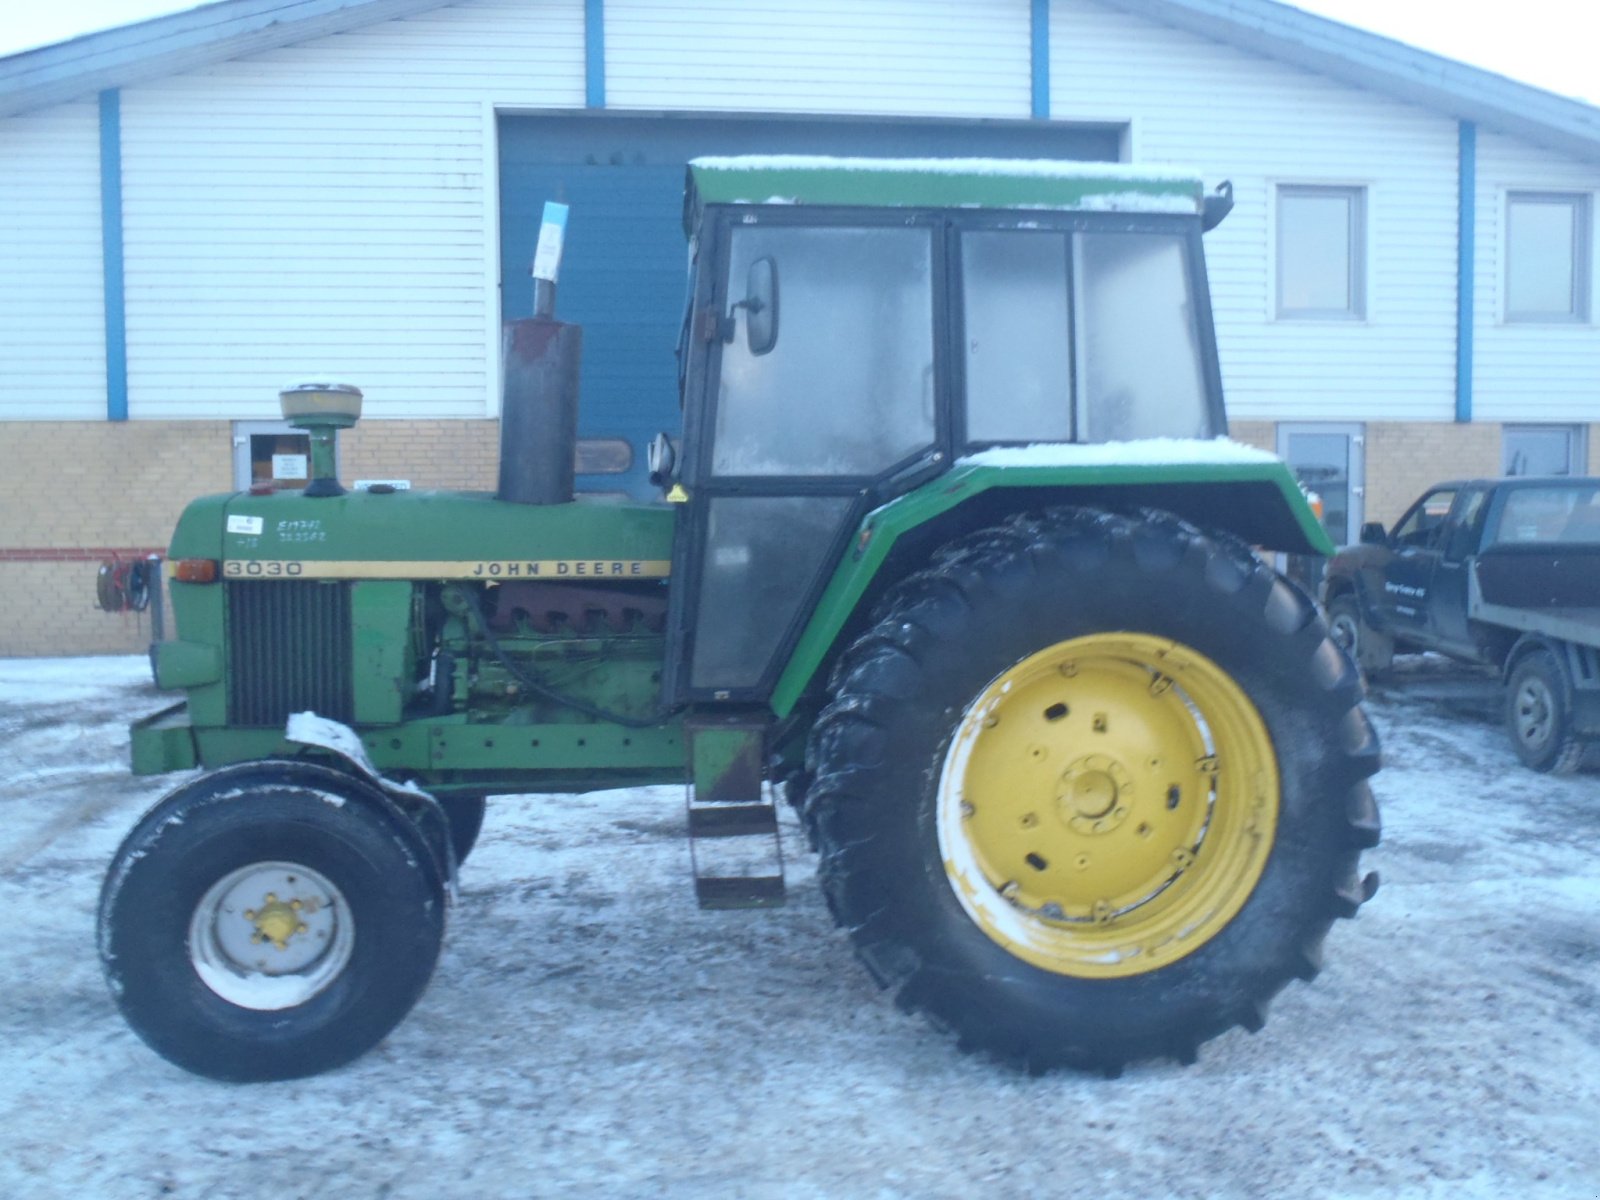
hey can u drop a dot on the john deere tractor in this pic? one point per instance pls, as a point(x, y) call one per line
point(952, 551)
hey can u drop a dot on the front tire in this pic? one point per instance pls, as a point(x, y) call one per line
point(1539, 715)
point(270, 921)
point(1092, 789)
point(1372, 651)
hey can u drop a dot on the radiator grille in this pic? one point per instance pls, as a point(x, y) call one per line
point(288, 651)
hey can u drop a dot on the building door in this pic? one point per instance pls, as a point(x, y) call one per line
point(1329, 462)
point(623, 276)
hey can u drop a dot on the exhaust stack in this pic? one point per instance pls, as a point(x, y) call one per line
point(539, 406)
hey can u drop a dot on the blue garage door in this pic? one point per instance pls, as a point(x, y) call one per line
point(624, 269)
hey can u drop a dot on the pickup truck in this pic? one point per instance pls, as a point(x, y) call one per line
point(1497, 572)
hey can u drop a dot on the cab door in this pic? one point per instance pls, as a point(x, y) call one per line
point(817, 394)
point(1408, 577)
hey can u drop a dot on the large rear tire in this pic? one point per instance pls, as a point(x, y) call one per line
point(1092, 789)
point(270, 921)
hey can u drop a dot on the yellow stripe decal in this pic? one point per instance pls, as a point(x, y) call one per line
point(490, 570)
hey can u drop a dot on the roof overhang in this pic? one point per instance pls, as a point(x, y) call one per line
point(182, 41)
point(1383, 65)
point(216, 32)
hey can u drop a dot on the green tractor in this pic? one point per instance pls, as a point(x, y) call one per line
point(955, 554)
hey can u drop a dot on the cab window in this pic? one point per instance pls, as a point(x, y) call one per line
point(845, 387)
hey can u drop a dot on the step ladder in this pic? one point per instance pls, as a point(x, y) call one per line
point(734, 845)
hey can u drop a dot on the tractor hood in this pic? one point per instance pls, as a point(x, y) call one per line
point(424, 535)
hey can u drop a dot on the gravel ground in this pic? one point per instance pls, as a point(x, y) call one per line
point(590, 1031)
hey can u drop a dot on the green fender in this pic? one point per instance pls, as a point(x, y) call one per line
point(1257, 501)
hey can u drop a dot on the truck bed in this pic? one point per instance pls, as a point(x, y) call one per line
point(1539, 588)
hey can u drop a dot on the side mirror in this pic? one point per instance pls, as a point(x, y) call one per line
point(1374, 534)
point(760, 306)
point(661, 460)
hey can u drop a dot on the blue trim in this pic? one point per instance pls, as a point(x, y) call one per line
point(1039, 56)
point(116, 314)
point(594, 53)
point(1466, 268)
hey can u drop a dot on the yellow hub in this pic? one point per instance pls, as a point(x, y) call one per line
point(276, 921)
point(1107, 805)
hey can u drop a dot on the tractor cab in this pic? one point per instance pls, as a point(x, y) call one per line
point(856, 327)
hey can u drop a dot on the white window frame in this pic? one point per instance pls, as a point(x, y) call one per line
point(1358, 196)
point(242, 433)
point(1579, 309)
point(1577, 444)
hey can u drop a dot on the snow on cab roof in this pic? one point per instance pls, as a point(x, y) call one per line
point(943, 183)
point(1142, 452)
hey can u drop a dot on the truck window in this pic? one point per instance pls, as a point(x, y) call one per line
point(1464, 524)
point(1420, 527)
point(1549, 514)
point(847, 388)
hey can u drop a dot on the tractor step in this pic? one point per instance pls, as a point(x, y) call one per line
point(734, 844)
point(731, 820)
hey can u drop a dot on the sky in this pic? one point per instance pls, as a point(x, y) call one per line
point(1548, 43)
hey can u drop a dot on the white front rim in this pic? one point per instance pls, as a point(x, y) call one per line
point(270, 935)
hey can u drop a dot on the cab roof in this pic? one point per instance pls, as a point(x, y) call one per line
point(996, 183)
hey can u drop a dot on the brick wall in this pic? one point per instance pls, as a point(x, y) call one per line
point(71, 493)
point(431, 454)
point(1261, 434)
point(1405, 458)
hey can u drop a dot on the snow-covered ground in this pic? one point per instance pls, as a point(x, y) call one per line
point(589, 1032)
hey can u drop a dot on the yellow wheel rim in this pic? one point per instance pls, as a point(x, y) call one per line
point(1108, 805)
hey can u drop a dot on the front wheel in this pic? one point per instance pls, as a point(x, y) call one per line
point(1372, 651)
point(1539, 714)
point(1092, 789)
point(270, 921)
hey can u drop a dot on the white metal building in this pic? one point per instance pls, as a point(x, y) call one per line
point(199, 208)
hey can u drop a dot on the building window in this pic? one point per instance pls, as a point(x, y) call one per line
point(1322, 252)
point(270, 454)
point(1542, 450)
point(1547, 256)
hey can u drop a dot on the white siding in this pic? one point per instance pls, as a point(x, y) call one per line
point(961, 58)
point(52, 310)
point(1525, 372)
point(1259, 123)
point(329, 209)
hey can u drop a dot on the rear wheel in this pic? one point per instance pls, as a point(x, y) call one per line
point(270, 921)
point(1092, 789)
point(1539, 714)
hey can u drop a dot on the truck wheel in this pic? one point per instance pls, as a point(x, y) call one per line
point(270, 921)
point(1539, 715)
point(1092, 789)
point(1372, 651)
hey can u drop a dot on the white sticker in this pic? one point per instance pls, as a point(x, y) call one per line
point(244, 525)
point(552, 231)
point(289, 466)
